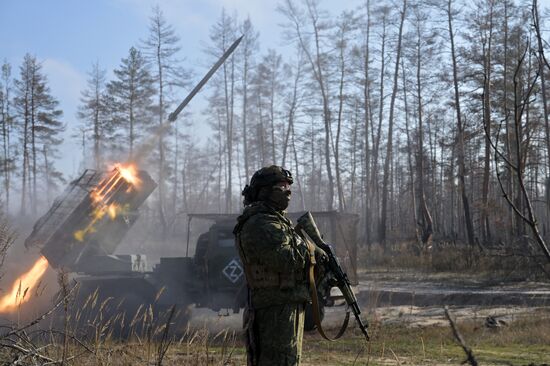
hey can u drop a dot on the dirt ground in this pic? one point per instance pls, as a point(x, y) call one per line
point(417, 299)
point(504, 322)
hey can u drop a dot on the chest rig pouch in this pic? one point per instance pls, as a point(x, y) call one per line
point(260, 276)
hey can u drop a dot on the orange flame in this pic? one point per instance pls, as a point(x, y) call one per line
point(129, 173)
point(112, 210)
point(23, 286)
point(103, 194)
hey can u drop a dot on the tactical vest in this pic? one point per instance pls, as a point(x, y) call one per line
point(267, 285)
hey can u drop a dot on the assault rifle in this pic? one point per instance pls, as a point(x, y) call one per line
point(307, 224)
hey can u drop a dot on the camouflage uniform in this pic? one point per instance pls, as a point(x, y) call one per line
point(275, 261)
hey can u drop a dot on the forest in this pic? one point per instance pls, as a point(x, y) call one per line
point(426, 118)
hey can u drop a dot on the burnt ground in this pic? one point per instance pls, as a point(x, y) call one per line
point(418, 298)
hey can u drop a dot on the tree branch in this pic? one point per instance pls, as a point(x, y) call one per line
point(467, 350)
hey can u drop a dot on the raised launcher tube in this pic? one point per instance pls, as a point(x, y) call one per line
point(91, 217)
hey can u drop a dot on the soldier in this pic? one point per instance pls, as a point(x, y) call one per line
point(275, 260)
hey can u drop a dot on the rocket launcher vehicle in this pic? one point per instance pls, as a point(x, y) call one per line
point(95, 212)
point(91, 217)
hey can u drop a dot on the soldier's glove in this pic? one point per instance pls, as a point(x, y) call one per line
point(320, 255)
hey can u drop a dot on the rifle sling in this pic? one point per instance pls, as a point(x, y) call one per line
point(315, 298)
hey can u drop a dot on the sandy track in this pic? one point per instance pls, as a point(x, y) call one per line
point(418, 299)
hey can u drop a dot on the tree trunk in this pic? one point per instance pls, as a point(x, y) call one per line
point(229, 105)
point(96, 122)
point(161, 161)
point(327, 121)
point(174, 200)
point(132, 137)
point(341, 199)
point(298, 177)
point(272, 113)
point(354, 149)
point(292, 112)
point(386, 179)
point(410, 164)
point(33, 116)
point(376, 135)
point(542, 70)
point(368, 119)
point(247, 172)
point(261, 130)
point(427, 223)
point(485, 227)
point(25, 148)
point(460, 153)
point(6, 126)
point(47, 174)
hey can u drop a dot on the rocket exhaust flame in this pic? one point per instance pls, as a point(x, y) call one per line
point(91, 216)
point(103, 196)
point(22, 288)
point(130, 174)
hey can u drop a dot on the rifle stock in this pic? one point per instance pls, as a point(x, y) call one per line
point(307, 224)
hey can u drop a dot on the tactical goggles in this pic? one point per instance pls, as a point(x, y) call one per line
point(287, 174)
point(282, 185)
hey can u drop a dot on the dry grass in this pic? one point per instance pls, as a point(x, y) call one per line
point(525, 341)
point(97, 332)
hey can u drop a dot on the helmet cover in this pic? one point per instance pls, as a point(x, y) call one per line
point(265, 177)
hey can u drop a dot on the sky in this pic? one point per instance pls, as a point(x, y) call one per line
point(68, 36)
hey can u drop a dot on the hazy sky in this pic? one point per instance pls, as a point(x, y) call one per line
point(69, 35)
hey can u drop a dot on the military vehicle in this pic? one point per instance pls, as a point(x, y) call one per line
point(84, 226)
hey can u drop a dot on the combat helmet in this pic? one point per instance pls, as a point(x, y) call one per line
point(265, 177)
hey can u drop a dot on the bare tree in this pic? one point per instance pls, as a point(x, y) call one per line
point(93, 112)
point(410, 164)
point(293, 100)
point(487, 41)
point(389, 146)
point(160, 49)
point(543, 67)
point(368, 121)
point(317, 60)
point(383, 15)
point(222, 34)
point(344, 27)
point(422, 53)
point(249, 47)
point(516, 163)
point(451, 13)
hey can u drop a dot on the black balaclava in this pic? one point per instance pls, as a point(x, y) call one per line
point(275, 197)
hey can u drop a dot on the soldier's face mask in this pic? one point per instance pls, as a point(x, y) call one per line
point(280, 195)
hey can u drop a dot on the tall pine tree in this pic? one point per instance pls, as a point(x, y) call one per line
point(132, 93)
point(6, 120)
point(160, 50)
point(38, 124)
point(94, 113)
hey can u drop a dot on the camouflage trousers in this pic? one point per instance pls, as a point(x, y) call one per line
point(274, 335)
